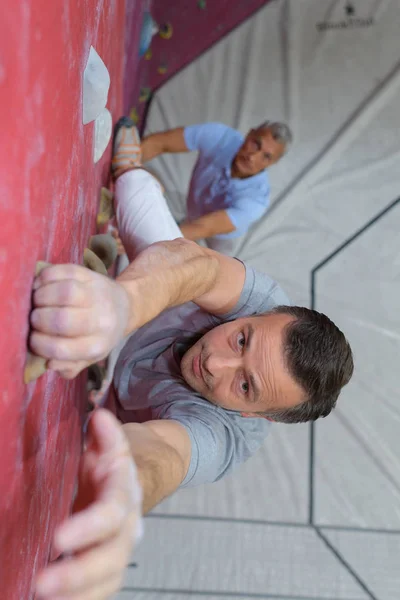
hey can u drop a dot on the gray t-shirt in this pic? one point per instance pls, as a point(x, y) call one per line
point(149, 384)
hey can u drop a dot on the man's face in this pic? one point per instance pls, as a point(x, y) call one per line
point(239, 366)
point(259, 151)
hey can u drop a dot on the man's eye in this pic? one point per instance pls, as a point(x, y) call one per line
point(245, 387)
point(241, 340)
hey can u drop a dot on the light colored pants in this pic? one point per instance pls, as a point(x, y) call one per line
point(143, 216)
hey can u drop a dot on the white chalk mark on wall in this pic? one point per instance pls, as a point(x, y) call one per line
point(96, 83)
point(102, 133)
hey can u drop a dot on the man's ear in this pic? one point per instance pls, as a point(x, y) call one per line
point(252, 415)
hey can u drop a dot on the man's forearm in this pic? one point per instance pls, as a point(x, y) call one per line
point(151, 147)
point(195, 230)
point(160, 468)
point(155, 144)
point(206, 226)
point(164, 275)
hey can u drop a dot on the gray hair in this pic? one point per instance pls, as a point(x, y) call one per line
point(280, 132)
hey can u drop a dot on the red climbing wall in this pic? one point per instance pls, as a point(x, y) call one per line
point(49, 193)
point(196, 25)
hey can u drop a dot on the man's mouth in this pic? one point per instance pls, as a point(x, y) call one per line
point(196, 366)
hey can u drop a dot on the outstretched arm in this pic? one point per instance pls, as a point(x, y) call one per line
point(164, 275)
point(97, 540)
point(214, 223)
point(162, 451)
point(171, 273)
point(79, 316)
point(155, 144)
point(113, 492)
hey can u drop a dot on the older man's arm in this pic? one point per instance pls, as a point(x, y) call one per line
point(155, 144)
point(209, 225)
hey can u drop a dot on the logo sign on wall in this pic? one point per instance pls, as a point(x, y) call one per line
point(351, 20)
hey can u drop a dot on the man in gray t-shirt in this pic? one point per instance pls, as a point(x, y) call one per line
point(216, 352)
point(149, 383)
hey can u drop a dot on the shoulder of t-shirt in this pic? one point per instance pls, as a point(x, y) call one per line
point(209, 136)
point(219, 438)
point(260, 294)
point(217, 128)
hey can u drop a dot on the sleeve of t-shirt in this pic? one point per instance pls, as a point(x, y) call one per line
point(218, 441)
point(259, 295)
point(204, 137)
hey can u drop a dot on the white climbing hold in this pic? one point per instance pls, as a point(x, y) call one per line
point(96, 83)
point(102, 133)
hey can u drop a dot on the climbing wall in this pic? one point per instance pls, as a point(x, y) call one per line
point(192, 26)
point(49, 194)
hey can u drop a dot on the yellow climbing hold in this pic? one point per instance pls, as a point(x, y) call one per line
point(106, 208)
point(145, 94)
point(166, 31)
point(35, 366)
point(134, 115)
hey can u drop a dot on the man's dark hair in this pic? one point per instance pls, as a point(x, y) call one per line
point(320, 360)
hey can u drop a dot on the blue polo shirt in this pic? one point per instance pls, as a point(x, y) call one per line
point(212, 186)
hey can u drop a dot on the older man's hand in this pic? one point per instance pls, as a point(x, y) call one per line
point(97, 540)
point(79, 316)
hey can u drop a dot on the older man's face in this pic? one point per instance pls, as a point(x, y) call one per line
point(259, 151)
point(240, 366)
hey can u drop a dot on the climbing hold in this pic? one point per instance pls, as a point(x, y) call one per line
point(149, 54)
point(106, 208)
point(134, 115)
point(162, 69)
point(149, 29)
point(102, 134)
point(165, 31)
point(202, 4)
point(96, 375)
point(96, 83)
point(145, 94)
point(92, 261)
point(35, 366)
point(105, 248)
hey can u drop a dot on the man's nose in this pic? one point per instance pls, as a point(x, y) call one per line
point(216, 363)
point(254, 155)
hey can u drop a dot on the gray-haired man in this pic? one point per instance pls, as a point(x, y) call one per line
point(229, 188)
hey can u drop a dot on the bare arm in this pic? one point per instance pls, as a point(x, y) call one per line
point(164, 275)
point(171, 273)
point(155, 144)
point(209, 225)
point(161, 451)
point(96, 541)
point(79, 316)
